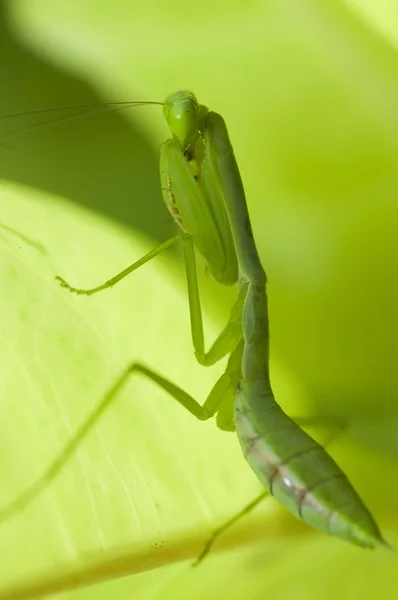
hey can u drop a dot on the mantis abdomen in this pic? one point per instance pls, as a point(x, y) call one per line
point(295, 469)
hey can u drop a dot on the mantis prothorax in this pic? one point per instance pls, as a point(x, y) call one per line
point(203, 191)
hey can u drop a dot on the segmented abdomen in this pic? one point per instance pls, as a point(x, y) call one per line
point(295, 469)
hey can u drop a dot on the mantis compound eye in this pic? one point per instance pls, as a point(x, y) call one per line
point(181, 111)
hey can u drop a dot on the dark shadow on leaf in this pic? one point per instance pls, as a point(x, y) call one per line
point(101, 162)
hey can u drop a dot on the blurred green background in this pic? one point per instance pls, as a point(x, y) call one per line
point(309, 90)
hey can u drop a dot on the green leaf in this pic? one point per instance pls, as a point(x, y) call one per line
point(309, 93)
point(143, 479)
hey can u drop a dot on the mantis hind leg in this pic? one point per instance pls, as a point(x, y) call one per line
point(334, 424)
point(220, 530)
point(218, 397)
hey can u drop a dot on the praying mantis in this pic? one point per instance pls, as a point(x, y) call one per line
point(203, 190)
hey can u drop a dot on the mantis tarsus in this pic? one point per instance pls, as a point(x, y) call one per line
point(203, 191)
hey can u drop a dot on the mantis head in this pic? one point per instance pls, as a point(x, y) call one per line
point(182, 113)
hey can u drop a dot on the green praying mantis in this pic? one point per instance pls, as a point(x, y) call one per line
point(203, 191)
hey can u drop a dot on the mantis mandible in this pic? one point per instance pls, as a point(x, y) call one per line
point(203, 191)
